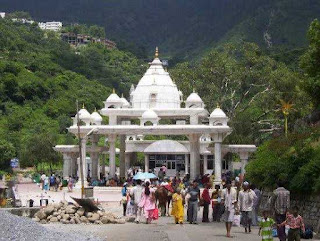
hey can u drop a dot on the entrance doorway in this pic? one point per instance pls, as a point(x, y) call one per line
point(171, 168)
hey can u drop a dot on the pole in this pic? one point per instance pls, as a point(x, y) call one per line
point(80, 152)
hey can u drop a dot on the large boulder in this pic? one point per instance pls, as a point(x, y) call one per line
point(94, 217)
point(89, 214)
point(41, 214)
point(105, 220)
point(83, 219)
point(55, 214)
point(71, 209)
point(36, 219)
point(65, 216)
point(49, 209)
point(120, 221)
point(80, 211)
point(54, 219)
point(77, 220)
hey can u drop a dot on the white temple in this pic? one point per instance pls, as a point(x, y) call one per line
point(154, 109)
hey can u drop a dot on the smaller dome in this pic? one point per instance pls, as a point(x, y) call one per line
point(194, 98)
point(149, 114)
point(218, 113)
point(124, 101)
point(95, 117)
point(114, 98)
point(84, 114)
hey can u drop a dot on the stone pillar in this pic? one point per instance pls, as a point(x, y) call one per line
point(194, 119)
point(205, 163)
point(194, 156)
point(146, 162)
point(67, 162)
point(244, 161)
point(122, 156)
point(94, 156)
point(112, 155)
point(127, 163)
point(186, 163)
point(84, 164)
point(217, 163)
point(74, 164)
point(103, 165)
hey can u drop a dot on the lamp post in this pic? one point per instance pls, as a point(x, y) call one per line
point(80, 149)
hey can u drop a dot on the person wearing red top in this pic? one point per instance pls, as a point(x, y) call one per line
point(295, 223)
point(206, 202)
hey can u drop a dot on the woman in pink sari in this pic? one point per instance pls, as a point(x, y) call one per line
point(148, 202)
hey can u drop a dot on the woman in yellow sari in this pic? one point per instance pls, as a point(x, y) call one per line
point(177, 206)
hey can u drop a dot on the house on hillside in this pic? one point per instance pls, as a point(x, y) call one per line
point(83, 39)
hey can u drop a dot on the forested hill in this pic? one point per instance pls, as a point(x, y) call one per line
point(183, 28)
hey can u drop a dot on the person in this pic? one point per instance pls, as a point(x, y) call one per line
point(206, 202)
point(43, 176)
point(52, 181)
point(148, 202)
point(256, 204)
point(46, 183)
point(161, 175)
point(136, 194)
point(124, 200)
point(295, 223)
point(177, 206)
point(193, 201)
point(246, 198)
point(280, 203)
point(70, 184)
point(216, 204)
point(58, 182)
point(265, 226)
point(229, 200)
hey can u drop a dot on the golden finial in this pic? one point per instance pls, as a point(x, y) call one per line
point(157, 53)
point(82, 105)
point(122, 95)
point(113, 91)
point(95, 109)
point(218, 106)
point(194, 90)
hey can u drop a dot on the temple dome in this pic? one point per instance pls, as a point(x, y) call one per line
point(156, 89)
point(113, 101)
point(113, 98)
point(149, 114)
point(194, 98)
point(125, 103)
point(96, 118)
point(218, 113)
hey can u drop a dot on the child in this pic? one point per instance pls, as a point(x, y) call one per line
point(266, 226)
point(177, 207)
point(295, 223)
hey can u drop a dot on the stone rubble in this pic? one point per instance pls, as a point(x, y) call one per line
point(68, 213)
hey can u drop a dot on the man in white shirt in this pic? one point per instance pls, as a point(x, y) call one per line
point(246, 199)
point(229, 199)
point(135, 194)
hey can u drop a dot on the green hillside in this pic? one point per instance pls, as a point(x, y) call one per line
point(41, 78)
point(184, 28)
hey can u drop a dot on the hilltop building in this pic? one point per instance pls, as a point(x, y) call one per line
point(155, 103)
point(52, 26)
point(83, 39)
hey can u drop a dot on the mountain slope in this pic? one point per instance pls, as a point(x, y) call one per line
point(180, 27)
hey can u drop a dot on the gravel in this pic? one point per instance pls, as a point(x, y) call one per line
point(13, 227)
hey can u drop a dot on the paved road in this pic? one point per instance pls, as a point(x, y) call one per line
point(162, 230)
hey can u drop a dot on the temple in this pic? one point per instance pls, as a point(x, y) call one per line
point(156, 108)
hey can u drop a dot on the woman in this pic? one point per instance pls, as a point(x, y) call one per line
point(216, 204)
point(124, 199)
point(206, 202)
point(148, 202)
point(177, 207)
point(70, 184)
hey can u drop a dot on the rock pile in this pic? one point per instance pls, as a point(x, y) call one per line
point(67, 213)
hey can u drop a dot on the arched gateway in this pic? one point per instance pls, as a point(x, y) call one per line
point(156, 98)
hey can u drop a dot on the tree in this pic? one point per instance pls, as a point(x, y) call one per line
point(97, 31)
point(7, 152)
point(310, 63)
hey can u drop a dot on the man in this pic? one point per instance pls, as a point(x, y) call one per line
point(161, 175)
point(229, 199)
point(52, 181)
point(135, 194)
point(246, 198)
point(43, 176)
point(256, 204)
point(280, 203)
point(194, 193)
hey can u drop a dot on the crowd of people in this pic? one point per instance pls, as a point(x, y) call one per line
point(55, 182)
point(234, 202)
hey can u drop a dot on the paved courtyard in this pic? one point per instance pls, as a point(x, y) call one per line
point(163, 229)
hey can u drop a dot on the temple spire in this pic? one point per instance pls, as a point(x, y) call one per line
point(82, 105)
point(156, 55)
